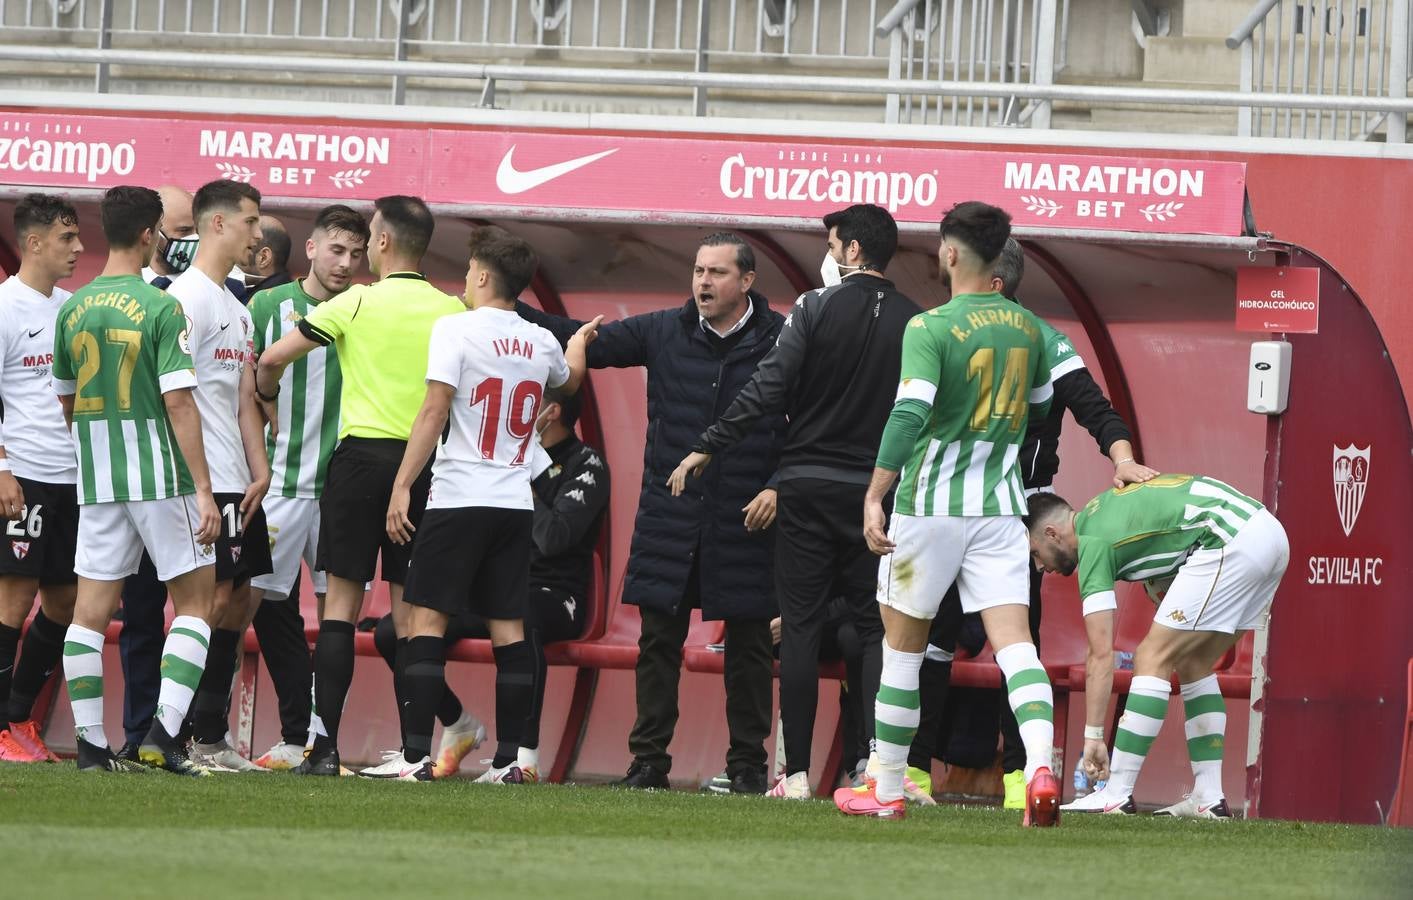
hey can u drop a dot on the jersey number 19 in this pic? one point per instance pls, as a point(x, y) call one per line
point(521, 410)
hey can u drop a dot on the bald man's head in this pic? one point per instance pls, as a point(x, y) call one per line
point(176, 235)
point(272, 253)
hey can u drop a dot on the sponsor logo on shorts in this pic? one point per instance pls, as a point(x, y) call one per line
point(1351, 480)
point(235, 553)
point(20, 549)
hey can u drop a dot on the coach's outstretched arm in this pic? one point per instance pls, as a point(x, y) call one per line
point(621, 344)
point(252, 438)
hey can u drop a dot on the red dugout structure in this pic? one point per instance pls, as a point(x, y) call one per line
point(1135, 257)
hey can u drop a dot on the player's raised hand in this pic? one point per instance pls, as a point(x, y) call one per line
point(760, 512)
point(12, 496)
point(400, 527)
point(692, 465)
point(208, 518)
point(1130, 472)
point(589, 331)
point(1096, 760)
point(875, 528)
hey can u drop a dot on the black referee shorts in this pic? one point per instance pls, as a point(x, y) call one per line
point(353, 511)
point(474, 558)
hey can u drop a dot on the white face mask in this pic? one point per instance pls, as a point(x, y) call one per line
point(831, 273)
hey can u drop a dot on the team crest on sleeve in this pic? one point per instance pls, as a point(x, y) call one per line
point(1351, 479)
point(20, 549)
point(184, 339)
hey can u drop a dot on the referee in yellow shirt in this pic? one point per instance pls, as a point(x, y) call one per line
point(381, 334)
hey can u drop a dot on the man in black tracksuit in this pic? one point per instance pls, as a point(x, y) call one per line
point(1076, 391)
point(834, 371)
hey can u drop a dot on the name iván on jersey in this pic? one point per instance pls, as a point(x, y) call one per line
point(514, 347)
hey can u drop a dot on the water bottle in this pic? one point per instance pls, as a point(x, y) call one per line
point(1082, 784)
point(1123, 660)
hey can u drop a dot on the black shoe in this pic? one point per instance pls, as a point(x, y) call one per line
point(322, 762)
point(129, 751)
point(749, 781)
point(645, 777)
point(162, 751)
point(92, 758)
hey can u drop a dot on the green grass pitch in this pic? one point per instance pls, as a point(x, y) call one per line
point(152, 835)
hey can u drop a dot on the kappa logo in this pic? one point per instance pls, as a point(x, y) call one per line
point(593, 460)
point(1351, 480)
point(511, 180)
point(587, 478)
point(20, 549)
point(576, 495)
point(570, 604)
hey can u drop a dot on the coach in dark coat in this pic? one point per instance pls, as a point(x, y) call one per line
point(711, 548)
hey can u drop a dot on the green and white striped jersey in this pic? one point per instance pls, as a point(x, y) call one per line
point(119, 344)
point(308, 404)
point(1145, 531)
point(979, 363)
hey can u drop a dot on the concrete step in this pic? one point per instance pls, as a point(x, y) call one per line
point(1212, 18)
point(1192, 60)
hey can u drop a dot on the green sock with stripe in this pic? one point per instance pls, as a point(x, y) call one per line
point(83, 675)
point(183, 661)
point(1206, 713)
point(1033, 701)
point(896, 713)
point(1142, 719)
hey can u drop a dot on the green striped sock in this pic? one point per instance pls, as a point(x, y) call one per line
point(83, 675)
point(183, 661)
point(896, 710)
point(1142, 719)
point(1206, 727)
point(1033, 701)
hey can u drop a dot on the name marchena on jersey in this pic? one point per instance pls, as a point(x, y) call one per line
point(119, 300)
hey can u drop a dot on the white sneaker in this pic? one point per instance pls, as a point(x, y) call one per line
point(1102, 802)
point(1189, 808)
point(458, 739)
point(511, 774)
point(395, 767)
point(791, 787)
point(221, 757)
point(281, 757)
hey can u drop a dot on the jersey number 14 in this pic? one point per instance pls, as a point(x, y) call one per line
point(522, 407)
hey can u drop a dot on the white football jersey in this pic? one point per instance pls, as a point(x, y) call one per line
point(222, 345)
point(34, 435)
point(500, 365)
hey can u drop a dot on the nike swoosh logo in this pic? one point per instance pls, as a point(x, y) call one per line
point(511, 180)
point(225, 326)
point(35, 332)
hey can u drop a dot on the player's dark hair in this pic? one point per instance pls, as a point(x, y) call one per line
point(126, 212)
point(410, 222)
point(1010, 268)
point(38, 212)
point(745, 256)
point(509, 259)
point(341, 218)
point(872, 227)
point(277, 239)
point(570, 406)
point(983, 228)
point(1042, 507)
point(221, 196)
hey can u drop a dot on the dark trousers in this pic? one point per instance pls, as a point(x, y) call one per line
point(820, 554)
point(140, 646)
point(935, 683)
point(279, 627)
point(749, 662)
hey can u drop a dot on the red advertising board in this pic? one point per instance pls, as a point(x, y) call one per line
point(647, 174)
point(1279, 298)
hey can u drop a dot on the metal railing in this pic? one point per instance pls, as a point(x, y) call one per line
point(1341, 48)
point(986, 41)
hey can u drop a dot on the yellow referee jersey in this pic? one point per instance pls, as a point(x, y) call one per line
point(381, 332)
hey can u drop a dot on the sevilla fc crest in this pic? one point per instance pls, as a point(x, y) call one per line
point(235, 552)
point(1351, 479)
point(20, 549)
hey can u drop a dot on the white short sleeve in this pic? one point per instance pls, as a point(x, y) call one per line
point(444, 351)
point(558, 366)
point(1100, 602)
